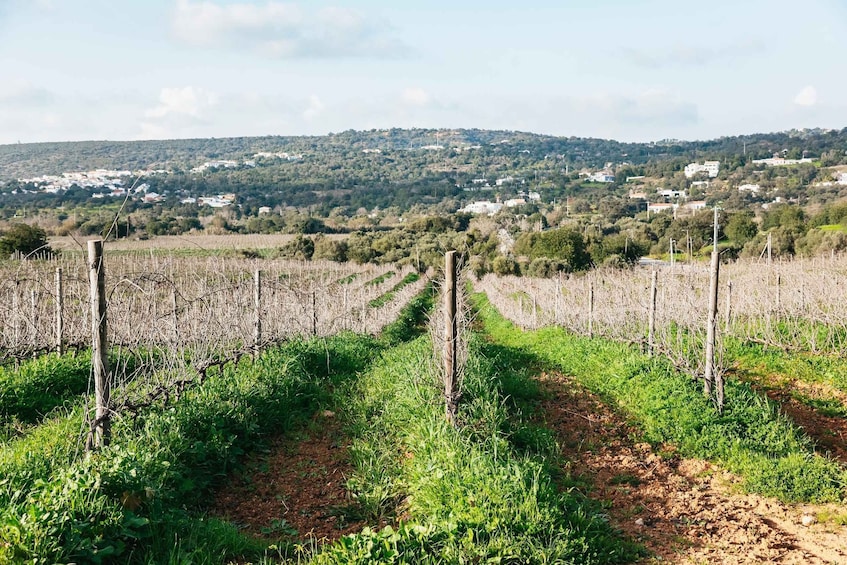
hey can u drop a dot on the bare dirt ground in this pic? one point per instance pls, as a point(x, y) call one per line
point(297, 490)
point(684, 511)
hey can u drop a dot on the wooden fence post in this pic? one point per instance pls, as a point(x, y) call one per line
point(651, 323)
point(314, 313)
point(257, 311)
point(59, 300)
point(450, 372)
point(711, 377)
point(174, 313)
point(33, 316)
point(591, 309)
point(16, 316)
point(99, 353)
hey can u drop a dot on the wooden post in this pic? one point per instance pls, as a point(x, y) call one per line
point(33, 314)
point(711, 377)
point(450, 325)
point(314, 313)
point(99, 353)
point(651, 324)
point(16, 316)
point(257, 311)
point(60, 322)
point(728, 314)
point(174, 314)
point(591, 309)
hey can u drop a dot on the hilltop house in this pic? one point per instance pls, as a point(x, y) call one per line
point(710, 167)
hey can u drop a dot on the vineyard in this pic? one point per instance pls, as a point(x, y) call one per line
point(794, 306)
point(569, 403)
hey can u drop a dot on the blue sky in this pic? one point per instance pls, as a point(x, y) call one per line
point(633, 71)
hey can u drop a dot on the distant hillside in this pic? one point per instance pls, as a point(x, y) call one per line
point(34, 159)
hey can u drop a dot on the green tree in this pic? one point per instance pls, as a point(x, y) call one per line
point(741, 227)
point(564, 244)
point(25, 239)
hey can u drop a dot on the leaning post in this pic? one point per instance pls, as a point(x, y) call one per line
point(711, 378)
point(99, 354)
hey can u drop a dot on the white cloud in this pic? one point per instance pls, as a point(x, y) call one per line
point(682, 55)
point(315, 108)
point(21, 92)
point(279, 29)
point(186, 101)
point(415, 96)
point(180, 112)
point(807, 97)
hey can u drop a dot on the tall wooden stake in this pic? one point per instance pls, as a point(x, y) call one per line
point(591, 309)
point(174, 315)
point(711, 377)
point(651, 323)
point(314, 313)
point(257, 311)
point(99, 353)
point(60, 322)
point(451, 392)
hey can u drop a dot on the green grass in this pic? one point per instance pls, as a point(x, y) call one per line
point(38, 386)
point(381, 301)
point(380, 279)
point(348, 279)
point(750, 438)
point(769, 362)
point(480, 493)
point(64, 508)
point(141, 499)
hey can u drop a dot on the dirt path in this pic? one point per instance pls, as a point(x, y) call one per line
point(297, 490)
point(684, 511)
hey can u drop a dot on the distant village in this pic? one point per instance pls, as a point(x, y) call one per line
point(107, 183)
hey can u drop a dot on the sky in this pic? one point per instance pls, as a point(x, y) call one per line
point(636, 70)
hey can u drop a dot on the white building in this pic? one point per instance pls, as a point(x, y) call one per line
point(601, 176)
point(710, 167)
point(670, 193)
point(754, 188)
point(841, 178)
point(695, 205)
point(777, 161)
point(482, 207)
point(658, 207)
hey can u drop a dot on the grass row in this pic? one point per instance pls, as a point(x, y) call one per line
point(382, 300)
point(139, 499)
point(485, 491)
point(750, 438)
point(58, 507)
point(771, 367)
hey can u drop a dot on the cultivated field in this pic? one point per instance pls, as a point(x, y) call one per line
point(299, 416)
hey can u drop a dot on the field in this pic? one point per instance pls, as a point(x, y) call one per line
point(186, 243)
point(302, 419)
